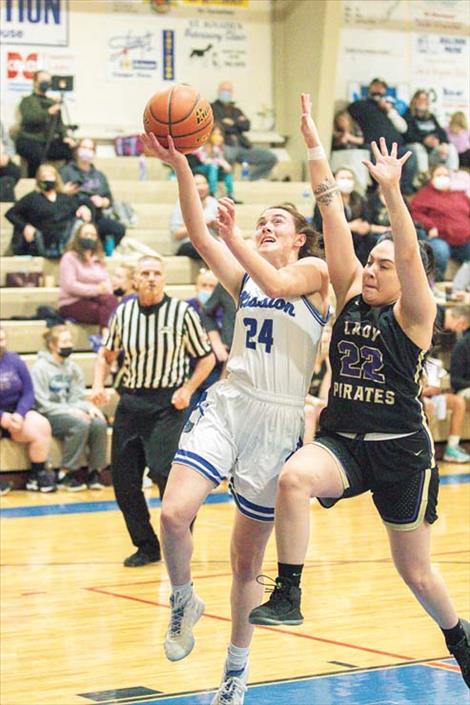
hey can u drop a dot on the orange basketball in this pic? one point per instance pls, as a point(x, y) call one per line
point(181, 112)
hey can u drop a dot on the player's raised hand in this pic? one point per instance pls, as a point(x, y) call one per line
point(307, 124)
point(387, 168)
point(226, 219)
point(168, 155)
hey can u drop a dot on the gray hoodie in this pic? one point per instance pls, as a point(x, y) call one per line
point(58, 387)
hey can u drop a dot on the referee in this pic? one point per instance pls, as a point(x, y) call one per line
point(158, 335)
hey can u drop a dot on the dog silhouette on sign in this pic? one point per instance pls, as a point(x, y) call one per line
point(200, 52)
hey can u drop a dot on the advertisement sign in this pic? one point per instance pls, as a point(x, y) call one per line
point(132, 53)
point(35, 22)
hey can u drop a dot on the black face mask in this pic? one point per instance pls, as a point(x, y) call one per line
point(47, 185)
point(65, 352)
point(119, 291)
point(44, 86)
point(87, 243)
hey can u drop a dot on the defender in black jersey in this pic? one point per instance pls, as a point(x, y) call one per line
point(373, 434)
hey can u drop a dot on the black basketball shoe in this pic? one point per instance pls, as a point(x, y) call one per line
point(283, 607)
point(461, 652)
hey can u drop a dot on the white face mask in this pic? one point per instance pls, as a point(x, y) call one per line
point(345, 185)
point(85, 154)
point(442, 183)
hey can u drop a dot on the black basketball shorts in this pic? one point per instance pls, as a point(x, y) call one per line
point(401, 473)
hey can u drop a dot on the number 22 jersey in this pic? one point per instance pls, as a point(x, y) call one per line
point(275, 342)
point(376, 373)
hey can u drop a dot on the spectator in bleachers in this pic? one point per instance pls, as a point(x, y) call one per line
point(19, 421)
point(60, 393)
point(92, 185)
point(219, 320)
point(426, 138)
point(437, 401)
point(458, 134)
point(446, 216)
point(213, 163)
point(460, 357)
point(85, 288)
point(42, 134)
point(356, 211)
point(377, 117)
point(317, 396)
point(177, 227)
point(346, 132)
point(122, 280)
point(238, 147)
point(461, 284)
point(43, 219)
point(10, 172)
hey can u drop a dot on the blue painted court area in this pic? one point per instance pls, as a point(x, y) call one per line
point(415, 684)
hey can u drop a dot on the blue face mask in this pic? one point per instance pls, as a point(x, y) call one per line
point(203, 296)
point(225, 96)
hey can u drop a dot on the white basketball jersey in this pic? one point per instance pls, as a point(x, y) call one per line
point(275, 342)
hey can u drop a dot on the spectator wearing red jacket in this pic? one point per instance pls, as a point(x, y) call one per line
point(446, 216)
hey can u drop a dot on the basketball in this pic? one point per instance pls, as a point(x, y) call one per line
point(181, 112)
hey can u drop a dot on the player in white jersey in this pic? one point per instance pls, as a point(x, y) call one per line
point(248, 424)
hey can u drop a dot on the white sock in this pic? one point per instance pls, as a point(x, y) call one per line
point(237, 657)
point(453, 441)
point(182, 593)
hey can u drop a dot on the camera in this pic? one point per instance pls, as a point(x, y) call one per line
point(62, 84)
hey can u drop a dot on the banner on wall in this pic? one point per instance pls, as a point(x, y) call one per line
point(210, 44)
point(218, 3)
point(35, 22)
point(132, 53)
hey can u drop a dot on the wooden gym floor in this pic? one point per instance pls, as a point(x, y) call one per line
point(78, 627)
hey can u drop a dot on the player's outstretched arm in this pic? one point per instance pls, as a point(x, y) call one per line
point(416, 308)
point(214, 253)
point(344, 267)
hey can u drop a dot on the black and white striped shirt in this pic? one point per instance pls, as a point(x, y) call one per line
point(157, 341)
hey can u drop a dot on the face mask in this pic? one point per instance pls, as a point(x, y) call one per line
point(345, 185)
point(204, 296)
point(119, 291)
point(44, 86)
point(65, 352)
point(225, 96)
point(85, 154)
point(377, 96)
point(87, 243)
point(47, 185)
point(442, 183)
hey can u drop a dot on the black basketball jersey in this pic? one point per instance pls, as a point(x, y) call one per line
point(376, 373)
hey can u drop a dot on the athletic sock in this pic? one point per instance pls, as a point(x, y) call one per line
point(454, 635)
point(291, 571)
point(37, 467)
point(237, 658)
point(453, 441)
point(182, 593)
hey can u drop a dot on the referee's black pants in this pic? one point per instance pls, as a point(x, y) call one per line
point(146, 432)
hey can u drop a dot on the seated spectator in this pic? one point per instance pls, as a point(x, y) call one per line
point(44, 218)
point(85, 289)
point(19, 422)
point(213, 163)
point(346, 133)
point(460, 356)
point(446, 216)
point(317, 396)
point(92, 185)
point(356, 211)
point(10, 172)
point(377, 117)
point(42, 134)
point(122, 280)
point(219, 320)
point(461, 284)
point(458, 134)
point(60, 393)
point(178, 230)
point(437, 401)
point(426, 138)
point(238, 147)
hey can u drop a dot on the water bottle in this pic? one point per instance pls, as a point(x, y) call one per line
point(307, 205)
point(109, 245)
point(245, 174)
point(142, 168)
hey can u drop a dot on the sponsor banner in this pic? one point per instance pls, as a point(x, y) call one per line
point(34, 22)
point(168, 55)
point(132, 53)
point(214, 45)
point(218, 3)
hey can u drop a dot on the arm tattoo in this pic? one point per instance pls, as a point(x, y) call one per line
point(325, 192)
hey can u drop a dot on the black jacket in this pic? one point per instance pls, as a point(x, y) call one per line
point(460, 363)
point(233, 134)
point(419, 128)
